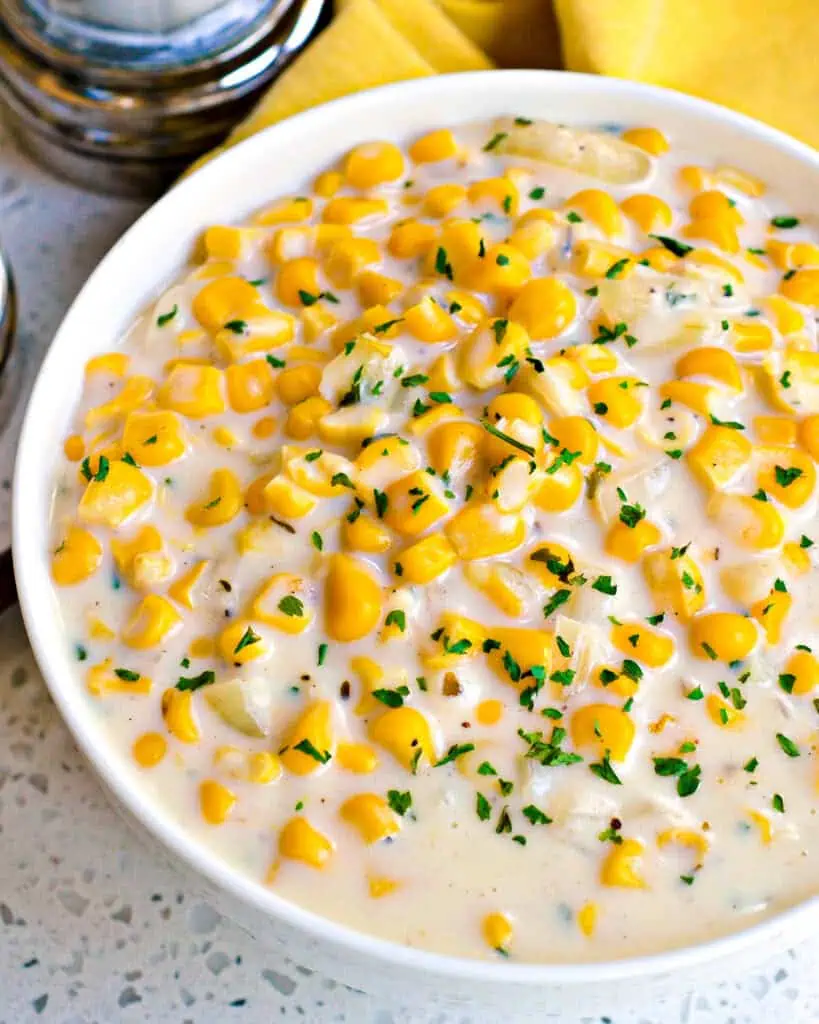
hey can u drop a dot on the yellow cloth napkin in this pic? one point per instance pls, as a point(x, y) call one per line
point(758, 56)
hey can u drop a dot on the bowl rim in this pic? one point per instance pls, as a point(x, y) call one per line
point(790, 925)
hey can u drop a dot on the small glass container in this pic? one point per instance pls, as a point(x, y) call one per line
point(146, 33)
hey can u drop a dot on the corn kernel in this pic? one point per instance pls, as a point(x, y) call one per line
point(77, 557)
point(309, 743)
point(722, 636)
point(149, 749)
point(651, 140)
point(649, 213)
point(620, 867)
point(239, 643)
point(427, 559)
point(599, 208)
point(371, 816)
point(497, 932)
point(372, 164)
point(358, 758)
point(603, 729)
point(352, 599)
point(406, 734)
point(299, 840)
point(545, 307)
point(434, 147)
point(646, 645)
point(215, 801)
point(177, 711)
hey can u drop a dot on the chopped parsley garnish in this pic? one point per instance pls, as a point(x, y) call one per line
point(291, 606)
point(535, 816)
point(306, 747)
point(442, 264)
point(785, 477)
point(604, 585)
point(127, 675)
point(396, 618)
point(392, 698)
point(784, 222)
point(455, 751)
point(195, 682)
point(603, 770)
point(495, 141)
point(558, 598)
point(236, 326)
point(787, 745)
point(165, 318)
point(482, 807)
point(398, 801)
point(248, 638)
point(322, 654)
point(733, 424)
point(673, 246)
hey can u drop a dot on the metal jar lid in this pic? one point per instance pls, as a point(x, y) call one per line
point(130, 131)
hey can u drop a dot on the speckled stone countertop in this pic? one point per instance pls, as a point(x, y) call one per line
point(94, 927)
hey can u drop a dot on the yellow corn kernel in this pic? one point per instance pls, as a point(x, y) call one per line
point(153, 619)
point(788, 475)
point(753, 523)
point(114, 363)
point(154, 438)
point(497, 932)
point(136, 558)
point(751, 336)
point(149, 749)
point(649, 646)
point(792, 255)
point(787, 318)
point(608, 678)
point(370, 675)
point(441, 200)
point(365, 534)
point(499, 341)
point(77, 557)
point(215, 801)
point(500, 193)
point(376, 289)
point(718, 456)
point(696, 396)
point(561, 486)
point(99, 630)
point(202, 647)
point(809, 435)
point(181, 590)
point(239, 643)
point(698, 179)
point(250, 385)
point(803, 666)
point(602, 729)
point(620, 867)
point(104, 678)
point(221, 503)
point(348, 258)
point(434, 146)
point(576, 434)
point(298, 840)
point(534, 236)
point(358, 758)
point(281, 603)
point(658, 258)
point(489, 712)
point(594, 259)
point(722, 713)
point(222, 242)
point(457, 251)
point(763, 823)
point(480, 531)
point(498, 584)
point(111, 499)
point(410, 239)
point(776, 430)
point(802, 287)
point(442, 374)
point(616, 400)
point(549, 561)
point(456, 447)
point(714, 204)
point(406, 734)
point(177, 711)
point(427, 559)
point(545, 307)
point(587, 919)
point(352, 599)
point(649, 213)
point(297, 383)
point(599, 208)
point(695, 841)
point(310, 742)
point(193, 390)
point(651, 140)
point(720, 231)
point(223, 300)
point(709, 361)
point(303, 419)
point(704, 263)
point(317, 320)
point(414, 504)
point(722, 636)
point(328, 183)
point(135, 392)
point(770, 612)
point(74, 448)
point(373, 163)
point(286, 499)
point(675, 583)
point(350, 210)
point(528, 647)
point(264, 427)
point(295, 278)
point(427, 322)
point(380, 886)
point(797, 559)
point(284, 211)
point(503, 271)
point(371, 816)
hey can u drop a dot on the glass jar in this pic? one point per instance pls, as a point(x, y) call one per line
point(147, 34)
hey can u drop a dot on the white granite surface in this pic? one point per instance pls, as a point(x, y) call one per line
point(94, 928)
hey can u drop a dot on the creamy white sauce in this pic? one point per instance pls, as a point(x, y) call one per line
point(451, 867)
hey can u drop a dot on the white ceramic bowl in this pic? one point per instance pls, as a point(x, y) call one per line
point(147, 258)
